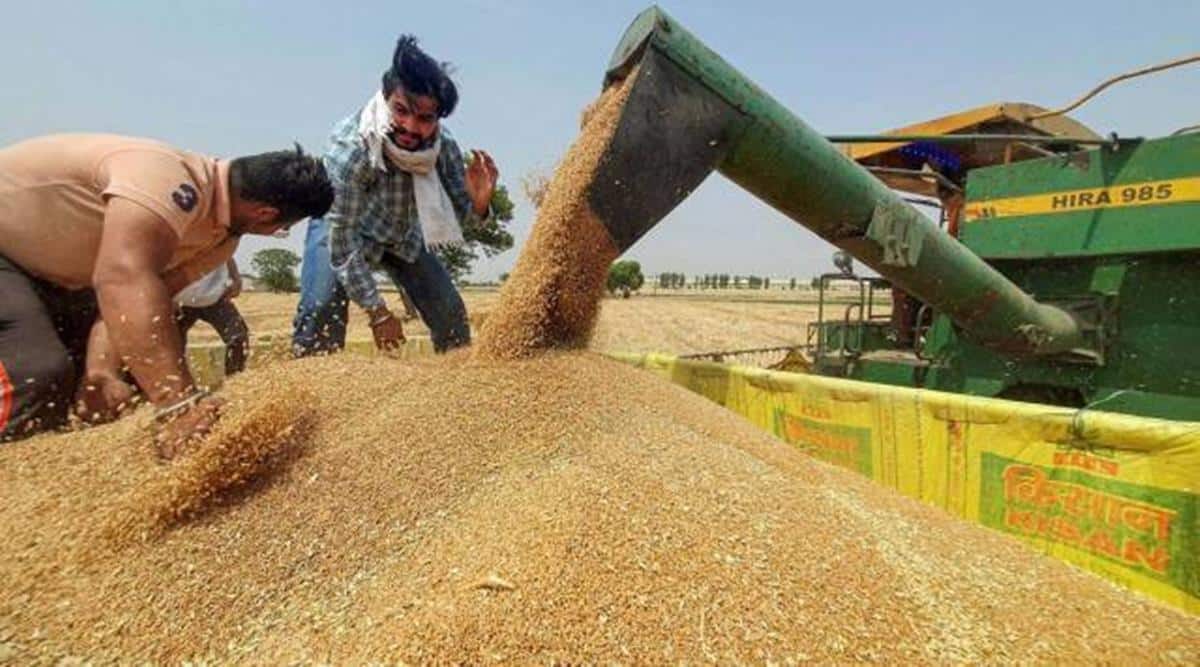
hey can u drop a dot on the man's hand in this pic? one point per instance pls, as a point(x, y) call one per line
point(103, 394)
point(235, 286)
point(102, 397)
point(482, 176)
point(387, 329)
point(184, 430)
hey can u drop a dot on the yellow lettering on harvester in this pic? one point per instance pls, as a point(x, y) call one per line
point(1174, 191)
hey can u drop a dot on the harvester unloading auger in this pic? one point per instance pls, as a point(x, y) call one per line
point(690, 113)
point(1098, 229)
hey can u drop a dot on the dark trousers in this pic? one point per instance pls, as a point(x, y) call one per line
point(436, 298)
point(323, 309)
point(43, 343)
point(225, 318)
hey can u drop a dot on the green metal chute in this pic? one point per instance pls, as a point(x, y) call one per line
point(689, 113)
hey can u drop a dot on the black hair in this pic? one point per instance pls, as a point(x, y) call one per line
point(419, 74)
point(291, 181)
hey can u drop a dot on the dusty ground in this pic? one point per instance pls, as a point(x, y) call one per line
point(677, 322)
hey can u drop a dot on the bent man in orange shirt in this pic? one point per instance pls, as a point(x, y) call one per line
point(97, 232)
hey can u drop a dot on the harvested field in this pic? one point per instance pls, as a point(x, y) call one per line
point(563, 508)
point(714, 321)
point(687, 326)
point(271, 314)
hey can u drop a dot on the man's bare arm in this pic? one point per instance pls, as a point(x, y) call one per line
point(135, 302)
point(235, 280)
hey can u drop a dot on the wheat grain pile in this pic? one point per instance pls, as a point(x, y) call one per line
point(561, 508)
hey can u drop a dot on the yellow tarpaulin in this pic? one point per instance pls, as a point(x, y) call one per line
point(1114, 494)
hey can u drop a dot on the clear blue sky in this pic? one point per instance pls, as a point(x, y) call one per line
point(228, 78)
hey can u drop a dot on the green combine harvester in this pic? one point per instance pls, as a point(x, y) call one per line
point(1056, 267)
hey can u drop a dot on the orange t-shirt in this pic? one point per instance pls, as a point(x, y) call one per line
point(53, 192)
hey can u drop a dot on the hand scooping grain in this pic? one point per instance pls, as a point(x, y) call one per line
point(183, 428)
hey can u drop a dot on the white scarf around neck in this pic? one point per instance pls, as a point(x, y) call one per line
point(439, 223)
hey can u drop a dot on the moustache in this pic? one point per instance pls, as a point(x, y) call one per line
point(407, 137)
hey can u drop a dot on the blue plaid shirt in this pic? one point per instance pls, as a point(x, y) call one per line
point(375, 212)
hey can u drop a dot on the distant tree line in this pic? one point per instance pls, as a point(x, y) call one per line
point(671, 280)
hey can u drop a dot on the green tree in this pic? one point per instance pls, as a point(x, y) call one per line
point(490, 239)
point(625, 277)
point(276, 269)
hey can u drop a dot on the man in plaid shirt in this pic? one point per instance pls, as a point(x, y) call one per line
point(401, 188)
